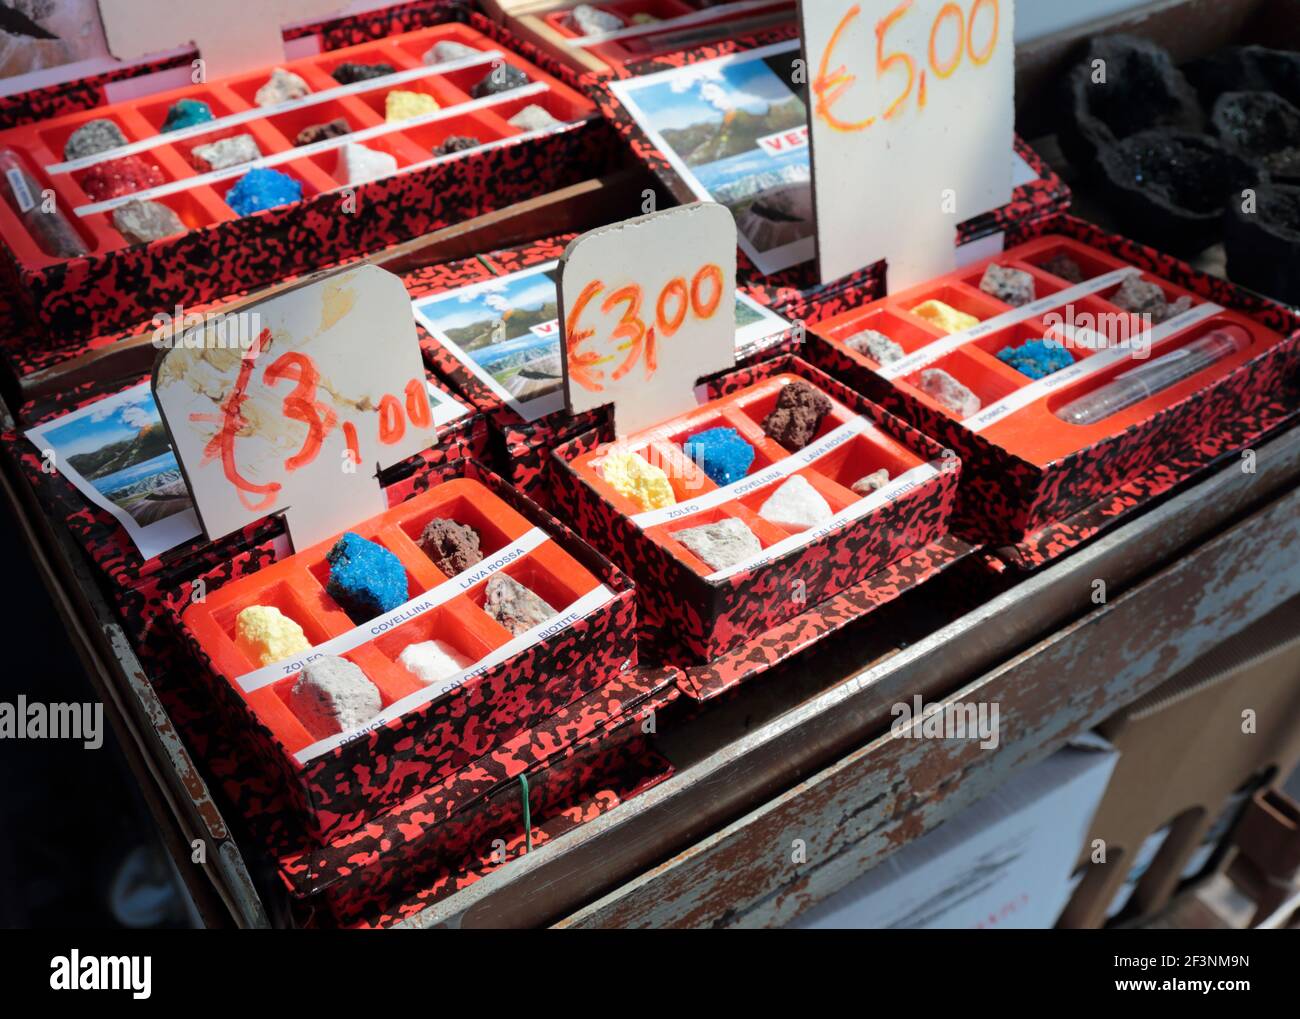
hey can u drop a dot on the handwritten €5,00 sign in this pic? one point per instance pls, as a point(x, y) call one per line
point(911, 120)
point(295, 403)
point(648, 307)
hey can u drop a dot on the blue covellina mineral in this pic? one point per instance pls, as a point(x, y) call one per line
point(187, 113)
point(366, 579)
point(1037, 358)
point(721, 453)
point(262, 188)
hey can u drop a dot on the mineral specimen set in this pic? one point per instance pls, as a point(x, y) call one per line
point(205, 157)
point(998, 362)
point(451, 598)
point(787, 477)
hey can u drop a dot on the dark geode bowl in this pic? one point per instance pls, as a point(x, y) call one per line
point(1261, 128)
point(1264, 243)
point(1142, 90)
point(1170, 187)
point(1246, 69)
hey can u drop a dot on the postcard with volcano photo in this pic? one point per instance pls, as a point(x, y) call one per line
point(735, 130)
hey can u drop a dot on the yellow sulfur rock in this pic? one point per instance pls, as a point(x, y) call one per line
point(945, 317)
point(267, 635)
point(642, 482)
point(404, 105)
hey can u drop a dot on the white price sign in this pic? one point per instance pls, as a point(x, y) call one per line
point(911, 111)
point(648, 306)
point(294, 404)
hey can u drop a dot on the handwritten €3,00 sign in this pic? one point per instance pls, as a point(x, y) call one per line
point(294, 404)
point(648, 307)
point(911, 125)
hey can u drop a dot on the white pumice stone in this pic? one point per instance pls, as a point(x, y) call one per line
point(358, 164)
point(333, 695)
point(948, 391)
point(796, 505)
point(721, 544)
point(432, 661)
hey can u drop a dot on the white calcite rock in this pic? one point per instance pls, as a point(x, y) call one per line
point(333, 695)
point(946, 390)
point(533, 118)
point(446, 51)
point(796, 505)
point(721, 544)
point(432, 661)
point(358, 164)
point(224, 152)
point(282, 87)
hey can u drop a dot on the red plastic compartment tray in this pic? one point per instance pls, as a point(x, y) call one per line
point(41, 144)
point(1034, 432)
point(831, 475)
point(296, 586)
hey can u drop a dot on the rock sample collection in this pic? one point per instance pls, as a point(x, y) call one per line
point(313, 133)
point(722, 544)
point(333, 695)
point(266, 635)
point(797, 415)
point(262, 188)
point(282, 87)
point(875, 345)
point(635, 478)
point(1011, 286)
point(140, 222)
point(402, 105)
point(945, 317)
point(358, 164)
point(347, 73)
point(948, 392)
point(796, 506)
point(514, 606)
point(93, 137)
point(187, 113)
point(721, 453)
point(1037, 358)
point(433, 661)
point(453, 547)
point(1140, 297)
point(225, 152)
point(872, 482)
point(366, 579)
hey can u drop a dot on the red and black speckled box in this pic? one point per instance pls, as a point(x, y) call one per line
point(1045, 505)
point(690, 616)
point(116, 286)
point(795, 292)
point(341, 788)
point(523, 438)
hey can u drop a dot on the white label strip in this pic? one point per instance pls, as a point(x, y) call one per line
point(580, 609)
point(304, 151)
point(262, 112)
point(931, 352)
point(404, 613)
point(672, 24)
point(770, 474)
point(896, 489)
point(1089, 366)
